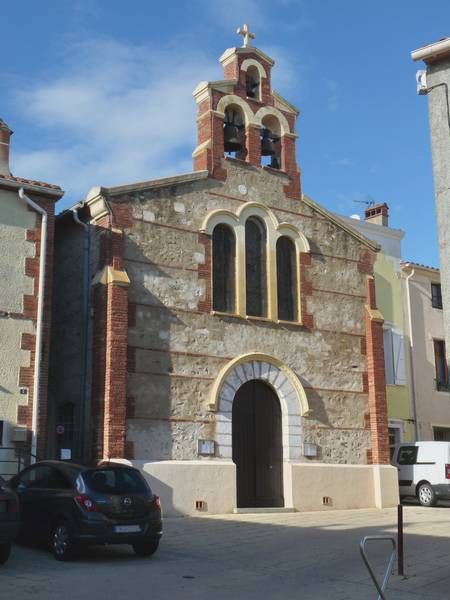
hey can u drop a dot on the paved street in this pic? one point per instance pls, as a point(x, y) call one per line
point(285, 556)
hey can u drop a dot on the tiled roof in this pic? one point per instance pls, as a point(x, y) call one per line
point(41, 184)
point(408, 263)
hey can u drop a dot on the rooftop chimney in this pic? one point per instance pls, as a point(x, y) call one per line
point(5, 134)
point(377, 214)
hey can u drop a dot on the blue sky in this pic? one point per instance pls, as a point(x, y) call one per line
point(99, 93)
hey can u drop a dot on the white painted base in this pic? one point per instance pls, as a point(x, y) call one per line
point(180, 484)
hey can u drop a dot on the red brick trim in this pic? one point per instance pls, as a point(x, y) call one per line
point(161, 265)
point(376, 381)
point(174, 375)
point(123, 214)
point(305, 290)
point(205, 273)
point(274, 208)
point(28, 341)
point(366, 261)
point(109, 399)
point(336, 293)
point(115, 401)
point(180, 353)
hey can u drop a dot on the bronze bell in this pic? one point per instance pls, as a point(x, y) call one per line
point(267, 148)
point(231, 138)
point(275, 162)
point(251, 86)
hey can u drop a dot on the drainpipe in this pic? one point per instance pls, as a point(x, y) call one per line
point(413, 393)
point(39, 322)
point(85, 331)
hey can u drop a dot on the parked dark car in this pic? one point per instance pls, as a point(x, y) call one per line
point(71, 505)
point(9, 519)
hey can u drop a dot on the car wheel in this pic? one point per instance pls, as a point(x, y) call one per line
point(5, 551)
point(62, 541)
point(426, 495)
point(146, 548)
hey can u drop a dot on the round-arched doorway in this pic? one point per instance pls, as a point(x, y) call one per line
point(257, 446)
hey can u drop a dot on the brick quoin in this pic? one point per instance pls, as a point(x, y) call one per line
point(305, 290)
point(110, 333)
point(115, 401)
point(28, 341)
point(376, 381)
point(205, 273)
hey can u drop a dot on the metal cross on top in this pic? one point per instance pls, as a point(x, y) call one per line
point(245, 32)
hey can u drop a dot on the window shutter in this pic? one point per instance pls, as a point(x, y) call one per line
point(399, 358)
point(388, 356)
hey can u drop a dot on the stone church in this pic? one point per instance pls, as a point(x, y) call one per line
point(218, 328)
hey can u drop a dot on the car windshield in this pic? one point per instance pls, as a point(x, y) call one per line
point(115, 481)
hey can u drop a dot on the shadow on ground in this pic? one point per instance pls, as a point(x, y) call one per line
point(302, 555)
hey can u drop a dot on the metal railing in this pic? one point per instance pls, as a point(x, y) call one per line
point(372, 538)
point(13, 460)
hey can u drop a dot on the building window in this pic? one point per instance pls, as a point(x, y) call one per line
point(287, 287)
point(436, 295)
point(255, 267)
point(441, 366)
point(441, 434)
point(224, 257)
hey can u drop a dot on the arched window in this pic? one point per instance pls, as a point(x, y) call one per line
point(224, 271)
point(255, 267)
point(287, 284)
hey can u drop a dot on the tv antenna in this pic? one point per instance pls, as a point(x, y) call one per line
point(369, 201)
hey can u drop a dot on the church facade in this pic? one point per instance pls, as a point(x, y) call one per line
point(234, 351)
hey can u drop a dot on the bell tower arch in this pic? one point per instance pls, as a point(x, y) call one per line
point(241, 117)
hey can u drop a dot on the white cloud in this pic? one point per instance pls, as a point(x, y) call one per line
point(343, 162)
point(116, 113)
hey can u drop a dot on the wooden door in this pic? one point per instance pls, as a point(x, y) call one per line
point(257, 448)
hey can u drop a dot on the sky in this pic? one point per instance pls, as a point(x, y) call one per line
point(99, 92)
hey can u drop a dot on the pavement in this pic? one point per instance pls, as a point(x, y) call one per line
point(307, 556)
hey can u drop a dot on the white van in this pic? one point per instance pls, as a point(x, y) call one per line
point(423, 470)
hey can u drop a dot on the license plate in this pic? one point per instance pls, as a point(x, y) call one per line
point(127, 528)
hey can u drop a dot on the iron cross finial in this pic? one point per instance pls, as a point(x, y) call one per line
point(245, 32)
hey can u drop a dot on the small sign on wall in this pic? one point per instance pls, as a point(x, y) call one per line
point(206, 448)
point(65, 454)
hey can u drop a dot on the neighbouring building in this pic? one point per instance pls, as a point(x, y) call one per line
point(389, 288)
point(431, 389)
point(435, 82)
point(26, 232)
point(234, 348)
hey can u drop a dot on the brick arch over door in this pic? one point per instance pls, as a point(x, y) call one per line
point(290, 392)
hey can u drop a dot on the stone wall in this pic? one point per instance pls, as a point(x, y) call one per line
point(19, 270)
point(438, 78)
point(176, 347)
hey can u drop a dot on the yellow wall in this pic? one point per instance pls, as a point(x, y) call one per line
point(389, 301)
point(388, 291)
